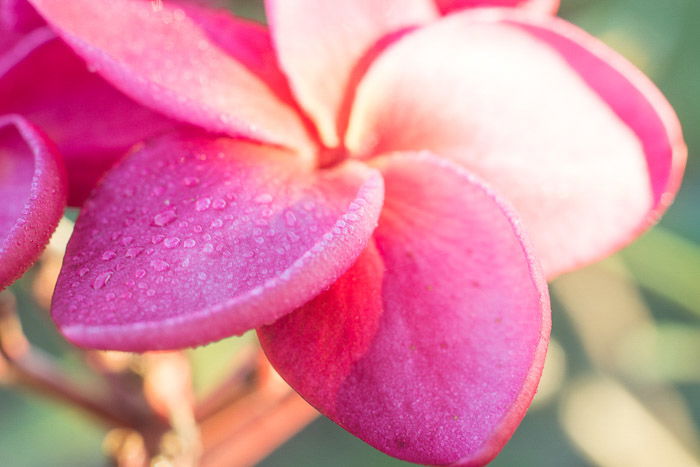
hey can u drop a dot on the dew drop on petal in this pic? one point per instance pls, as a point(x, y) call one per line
point(219, 204)
point(264, 198)
point(133, 252)
point(101, 280)
point(171, 242)
point(109, 255)
point(164, 218)
point(202, 204)
point(159, 265)
point(291, 218)
point(189, 243)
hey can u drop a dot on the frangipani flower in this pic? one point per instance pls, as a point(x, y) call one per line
point(357, 210)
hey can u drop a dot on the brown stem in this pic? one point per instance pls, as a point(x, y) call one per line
point(32, 368)
point(249, 429)
point(241, 381)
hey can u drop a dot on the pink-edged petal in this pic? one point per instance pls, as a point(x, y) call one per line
point(323, 53)
point(431, 346)
point(584, 146)
point(194, 238)
point(171, 63)
point(33, 193)
point(540, 6)
point(18, 16)
point(91, 122)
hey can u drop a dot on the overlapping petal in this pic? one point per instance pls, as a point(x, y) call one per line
point(167, 58)
point(541, 6)
point(91, 122)
point(193, 238)
point(430, 347)
point(324, 53)
point(581, 143)
point(18, 16)
point(33, 192)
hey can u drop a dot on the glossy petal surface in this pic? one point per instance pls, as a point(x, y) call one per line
point(542, 6)
point(171, 63)
point(192, 239)
point(323, 53)
point(430, 347)
point(33, 192)
point(585, 147)
point(91, 122)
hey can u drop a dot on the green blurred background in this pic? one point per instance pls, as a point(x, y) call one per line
point(622, 381)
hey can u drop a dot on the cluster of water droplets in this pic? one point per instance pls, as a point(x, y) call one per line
point(220, 229)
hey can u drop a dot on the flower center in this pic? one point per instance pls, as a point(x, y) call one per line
point(330, 157)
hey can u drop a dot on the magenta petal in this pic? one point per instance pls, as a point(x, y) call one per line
point(18, 16)
point(323, 51)
point(33, 193)
point(542, 6)
point(583, 145)
point(168, 59)
point(431, 346)
point(91, 122)
point(191, 239)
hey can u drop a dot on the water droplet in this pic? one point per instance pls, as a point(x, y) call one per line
point(263, 198)
point(259, 240)
point(101, 280)
point(208, 248)
point(217, 223)
point(159, 265)
point(108, 255)
point(290, 217)
point(140, 273)
point(189, 243)
point(133, 252)
point(191, 181)
point(198, 228)
point(164, 218)
point(171, 242)
point(202, 204)
point(150, 292)
point(219, 204)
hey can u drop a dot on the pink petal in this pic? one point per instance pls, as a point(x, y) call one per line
point(164, 57)
point(18, 16)
point(584, 146)
point(192, 239)
point(91, 122)
point(431, 346)
point(33, 193)
point(324, 53)
point(542, 6)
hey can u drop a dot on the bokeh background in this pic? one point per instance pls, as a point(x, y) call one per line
point(622, 381)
